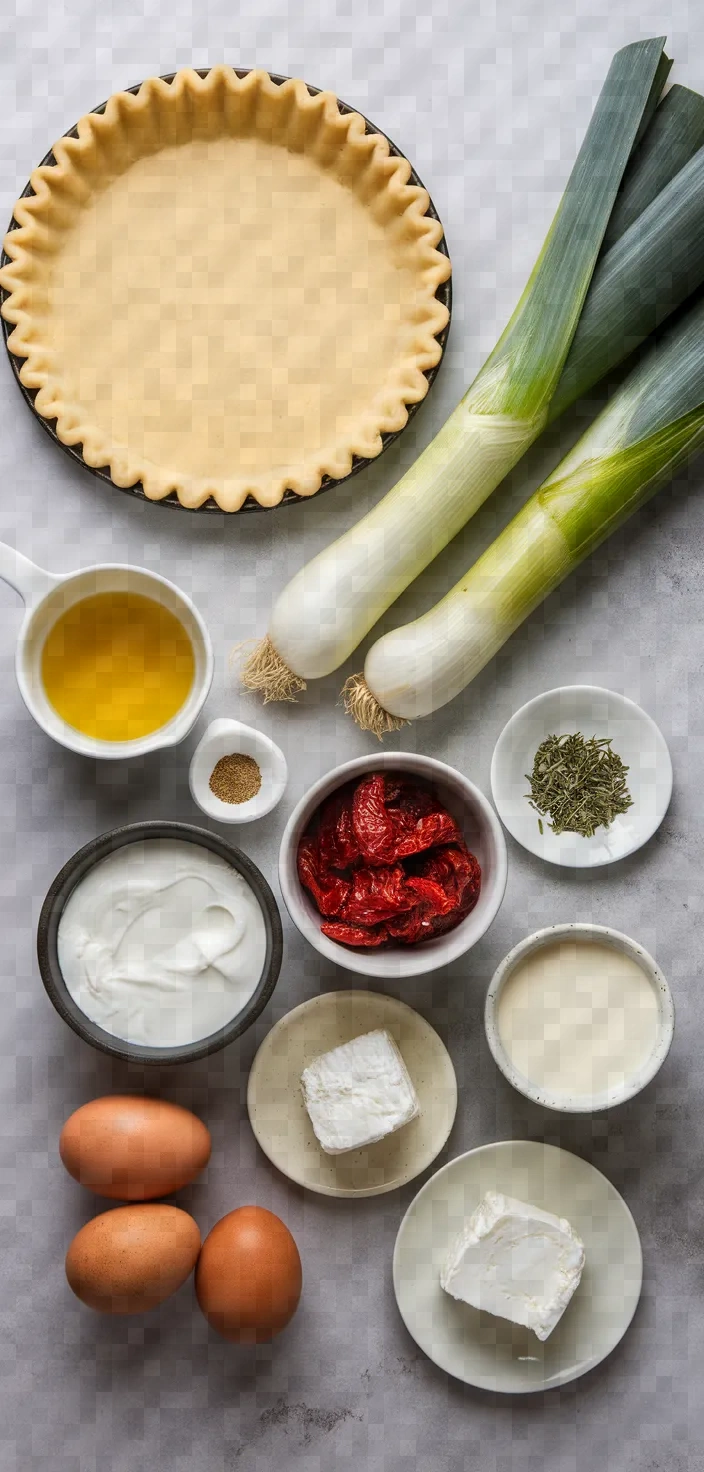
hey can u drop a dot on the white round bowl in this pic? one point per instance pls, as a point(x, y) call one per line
point(224, 738)
point(481, 829)
point(580, 1103)
point(595, 712)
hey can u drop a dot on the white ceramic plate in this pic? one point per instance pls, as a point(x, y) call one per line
point(279, 1117)
point(594, 712)
point(492, 1353)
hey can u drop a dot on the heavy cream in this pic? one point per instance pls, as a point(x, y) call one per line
point(578, 1017)
point(162, 943)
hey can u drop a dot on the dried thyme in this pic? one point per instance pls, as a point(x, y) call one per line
point(580, 785)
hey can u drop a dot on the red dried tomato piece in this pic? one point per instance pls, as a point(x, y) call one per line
point(410, 928)
point(442, 924)
point(355, 935)
point(454, 869)
point(411, 798)
point(377, 894)
point(424, 833)
point(373, 824)
point(431, 894)
point(328, 890)
point(467, 874)
point(393, 820)
point(337, 841)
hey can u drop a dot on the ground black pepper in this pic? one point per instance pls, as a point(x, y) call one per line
point(235, 778)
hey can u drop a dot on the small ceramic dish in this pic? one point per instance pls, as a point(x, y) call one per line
point(227, 738)
point(594, 712)
point(493, 1353)
point(580, 1103)
point(76, 870)
point(481, 829)
point(279, 1117)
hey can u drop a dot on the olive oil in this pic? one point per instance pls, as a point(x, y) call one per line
point(117, 666)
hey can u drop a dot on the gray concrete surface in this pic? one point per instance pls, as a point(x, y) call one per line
point(489, 99)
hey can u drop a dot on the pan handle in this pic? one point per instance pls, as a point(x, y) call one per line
point(31, 582)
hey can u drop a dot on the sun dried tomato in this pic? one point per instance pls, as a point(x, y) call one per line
point(410, 928)
point(373, 825)
point(377, 894)
point(467, 872)
point(422, 822)
point(337, 840)
point(454, 869)
point(355, 935)
point(385, 862)
point(329, 891)
point(431, 894)
point(393, 820)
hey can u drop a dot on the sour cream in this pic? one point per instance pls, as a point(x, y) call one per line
point(162, 943)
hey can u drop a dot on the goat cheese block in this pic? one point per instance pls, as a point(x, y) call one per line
point(358, 1093)
point(515, 1261)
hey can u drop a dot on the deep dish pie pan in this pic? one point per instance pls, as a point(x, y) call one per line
point(290, 497)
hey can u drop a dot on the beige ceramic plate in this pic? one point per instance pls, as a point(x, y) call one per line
point(279, 1118)
point(493, 1353)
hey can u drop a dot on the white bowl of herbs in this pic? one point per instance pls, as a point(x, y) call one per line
point(581, 776)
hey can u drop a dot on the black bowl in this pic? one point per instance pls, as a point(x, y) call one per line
point(72, 874)
point(290, 498)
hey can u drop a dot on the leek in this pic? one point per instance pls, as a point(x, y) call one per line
point(675, 133)
point(650, 271)
point(651, 426)
point(332, 602)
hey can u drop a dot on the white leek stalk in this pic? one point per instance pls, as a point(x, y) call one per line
point(652, 425)
point(330, 605)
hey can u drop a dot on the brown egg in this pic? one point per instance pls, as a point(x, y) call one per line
point(132, 1258)
point(133, 1149)
point(248, 1279)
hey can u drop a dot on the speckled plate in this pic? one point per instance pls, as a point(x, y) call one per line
point(279, 1118)
point(493, 1353)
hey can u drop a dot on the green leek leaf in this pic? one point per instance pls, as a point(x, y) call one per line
point(521, 374)
point(674, 135)
point(650, 271)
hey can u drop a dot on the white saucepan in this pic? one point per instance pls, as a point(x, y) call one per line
point(47, 595)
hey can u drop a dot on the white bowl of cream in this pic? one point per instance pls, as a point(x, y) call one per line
point(160, 942)
point(579, 1018)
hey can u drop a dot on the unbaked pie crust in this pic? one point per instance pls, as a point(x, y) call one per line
point(224, 287)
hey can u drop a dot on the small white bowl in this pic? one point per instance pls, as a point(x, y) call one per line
point(580, 1103)
point(224, 738)
point(481, 829)
point(594, 712)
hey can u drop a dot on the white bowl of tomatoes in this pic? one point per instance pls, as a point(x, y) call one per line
point(393, 865)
